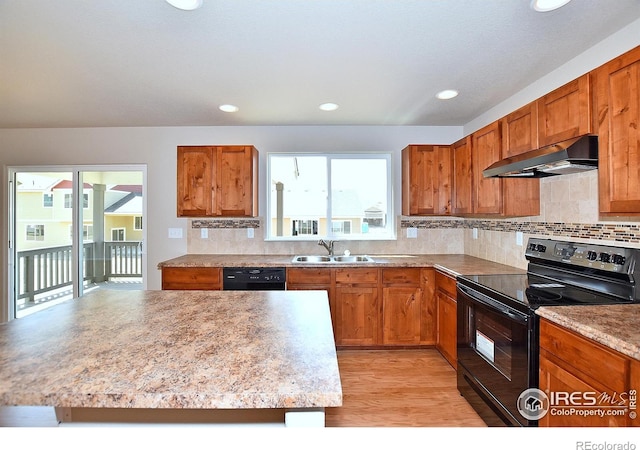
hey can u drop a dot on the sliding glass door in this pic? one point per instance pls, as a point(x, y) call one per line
point(74, 230)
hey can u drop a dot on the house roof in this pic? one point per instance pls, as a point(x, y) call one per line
point(67, 63)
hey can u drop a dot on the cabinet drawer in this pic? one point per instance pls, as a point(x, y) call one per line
point(585, 355)
point(401, 276)
point(308, 275)
point(446, 283)
point(356, 275)
point(191, 278)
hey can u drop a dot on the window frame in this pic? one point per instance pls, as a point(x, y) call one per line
point(391, 222)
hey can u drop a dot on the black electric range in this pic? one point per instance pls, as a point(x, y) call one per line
point(498, 329)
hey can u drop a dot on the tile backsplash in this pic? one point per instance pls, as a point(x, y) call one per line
point(569, 211)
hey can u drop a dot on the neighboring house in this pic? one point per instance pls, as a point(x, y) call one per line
point(43, 212)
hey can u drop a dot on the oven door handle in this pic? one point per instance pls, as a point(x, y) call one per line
point(484, 300)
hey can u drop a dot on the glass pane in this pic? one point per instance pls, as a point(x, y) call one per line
point(359, 197)
point(43, 259)
point(112, 243)
point(298, 195)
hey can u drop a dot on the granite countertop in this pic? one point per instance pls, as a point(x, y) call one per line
point(616, 326)
point(174, 349)
point(452, 264)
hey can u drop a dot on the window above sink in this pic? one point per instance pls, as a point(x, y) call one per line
point(332, 196)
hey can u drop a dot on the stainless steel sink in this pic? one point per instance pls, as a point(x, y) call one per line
point(332, 259)
point(352, 258)
point(312, 259)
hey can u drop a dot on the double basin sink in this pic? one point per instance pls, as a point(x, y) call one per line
point(315, 259)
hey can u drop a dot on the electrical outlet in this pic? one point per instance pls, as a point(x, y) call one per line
point(475, 233)
point(412, 232)
point(519, 238)
point(204, 233)
point(250, 233)
point(175, 233)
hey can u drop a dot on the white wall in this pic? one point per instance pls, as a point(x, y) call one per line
point(616, 44)
point(156, 147)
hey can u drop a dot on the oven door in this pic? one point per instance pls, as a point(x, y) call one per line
point(497, 357)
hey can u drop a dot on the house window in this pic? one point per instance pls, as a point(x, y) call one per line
point(137, 223)
point(47, 200)
point(35, 232)
point(304, 227)
point(344, 194)
point(341, 227)
point(68, 200)
point(118, 234)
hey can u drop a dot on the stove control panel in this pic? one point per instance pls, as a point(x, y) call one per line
point(601, 257)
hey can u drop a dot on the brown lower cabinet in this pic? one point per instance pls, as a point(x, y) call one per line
point(447, 310)
point(373, 307)
point(576, 372)
point(191, 278)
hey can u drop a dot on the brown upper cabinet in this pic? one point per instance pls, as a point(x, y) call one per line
point(217, 181)
point(485, 150)
point(496, 196)
point(520, 130)
point(462, 197)
point(562, 114)
point(617, 108)
point(565, 113)
point(426, 180)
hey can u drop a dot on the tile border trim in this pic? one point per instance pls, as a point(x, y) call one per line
point(603, 231)
point(225, 223)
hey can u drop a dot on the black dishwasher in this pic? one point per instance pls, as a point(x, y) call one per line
point(253, 278)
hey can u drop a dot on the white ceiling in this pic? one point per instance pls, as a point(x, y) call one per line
point(80, 63)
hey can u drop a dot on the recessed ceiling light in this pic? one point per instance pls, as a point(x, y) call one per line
point(228, 108)
point(547, 5)
point(186, 5)
point(447, 94)
point(328, 106)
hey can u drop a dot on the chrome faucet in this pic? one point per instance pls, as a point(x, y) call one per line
point(327, 245)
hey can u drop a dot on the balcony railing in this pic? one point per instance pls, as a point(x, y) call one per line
point(44, 270)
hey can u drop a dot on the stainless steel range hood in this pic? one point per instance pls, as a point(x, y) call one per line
point(571, 156)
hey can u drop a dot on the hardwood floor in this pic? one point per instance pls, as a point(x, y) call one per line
point(381, 388)
point(399, 388)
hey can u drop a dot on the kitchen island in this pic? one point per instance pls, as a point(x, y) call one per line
point(178, 351)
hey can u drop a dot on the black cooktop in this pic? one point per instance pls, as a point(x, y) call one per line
point(528, 291)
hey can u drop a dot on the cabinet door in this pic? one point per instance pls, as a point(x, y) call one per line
point(190, 278)
point(566, 112)
point(194, 178)
point(428, 314)
point(461, 196)
point(236, 192)
point(617, 86)
point(401, 315)
point(555, 378)
point(356, 315)
point(520, 131)
point(426, 180)
point(447, 326)
point(487, 192)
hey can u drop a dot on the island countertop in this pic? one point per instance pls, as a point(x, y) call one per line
point(453, 264)
point(174, 349)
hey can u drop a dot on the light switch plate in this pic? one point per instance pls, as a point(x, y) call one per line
point(175, 233)
point(412, 232)
point(475, 233)
point(250, 233)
